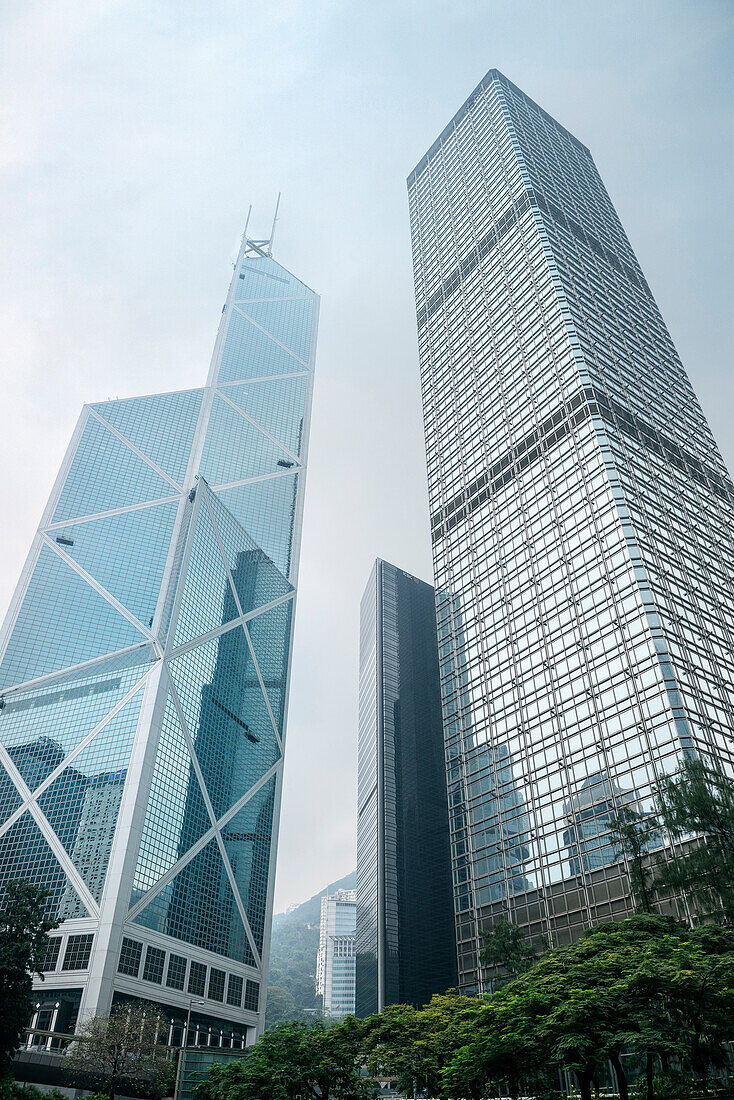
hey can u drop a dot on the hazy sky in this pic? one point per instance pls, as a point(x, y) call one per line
point(133, 137)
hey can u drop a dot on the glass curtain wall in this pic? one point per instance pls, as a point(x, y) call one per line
point(581, 520)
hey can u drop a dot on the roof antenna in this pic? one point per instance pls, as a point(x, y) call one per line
point(272, 231)
point(259, 247)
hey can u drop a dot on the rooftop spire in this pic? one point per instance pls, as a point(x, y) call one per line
point(260, 247)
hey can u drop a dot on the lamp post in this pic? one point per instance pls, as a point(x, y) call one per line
point(185, 1036)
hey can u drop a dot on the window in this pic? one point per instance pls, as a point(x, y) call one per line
point(130, 954)
point(176, 972)
point(153, 969)
point(216, 985)
point(234, 990)
point(51, 956)
point(252, 996)
point(78, 950)
point(197, 979)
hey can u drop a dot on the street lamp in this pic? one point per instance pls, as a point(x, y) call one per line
point(185, 1036)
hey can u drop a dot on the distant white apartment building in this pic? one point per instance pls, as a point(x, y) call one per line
point(335, 967)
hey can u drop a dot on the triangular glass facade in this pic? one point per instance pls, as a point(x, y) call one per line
point(144, 664)
point(198, 906)
point(162, 426)
point(126, 553)
point(62, 622)
point(276, 406)
point(106, 474)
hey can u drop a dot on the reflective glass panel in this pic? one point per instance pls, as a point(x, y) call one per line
point(277, 405)
point(225, 712)
point(270, 634)
point(266, 510)
point(81, 805)
point(125, 553)
point(162, 426)
point(207, 600)
point(262, 277)
point(288, 321)
point(256, 579)
point(106, 474)
point(235, 449)
point(250, 353)
point(62, 622)
point(247, 840)
point(176, 816)
point(25, 854)
point(198, 906)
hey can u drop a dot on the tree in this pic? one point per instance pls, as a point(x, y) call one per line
point(414, 1045)
point(23, 940)
point(633, 835)
point(281, 1007)
point(698, 800)
point(292, 1060)
point(507, 948)
point(129, 1045)
point(649, 985)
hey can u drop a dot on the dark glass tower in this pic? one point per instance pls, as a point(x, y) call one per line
point(405, 928)
point(581, 520)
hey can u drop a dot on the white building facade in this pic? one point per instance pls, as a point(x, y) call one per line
point(335, 966)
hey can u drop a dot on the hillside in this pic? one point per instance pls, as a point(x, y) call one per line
point(293, 950)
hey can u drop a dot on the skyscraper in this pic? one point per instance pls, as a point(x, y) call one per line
point(335, 964)
point(405, 932)
point(144, 669)
point(581, 519)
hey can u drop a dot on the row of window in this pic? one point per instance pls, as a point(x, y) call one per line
point(219, 982)
point(76, 954)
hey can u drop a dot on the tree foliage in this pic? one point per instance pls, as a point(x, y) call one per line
point(647, 985)
point(506, 947)
point(129, 1045)
point(699, 801)
point(295, 1059)
point(633, 835)
point(414, 1045)
point(23, 939)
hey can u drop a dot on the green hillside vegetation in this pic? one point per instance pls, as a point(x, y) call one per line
point(293, 950)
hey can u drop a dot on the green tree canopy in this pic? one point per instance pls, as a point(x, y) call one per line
point(23, 939)
point(647, 984)
point(294, 1059)
point(507, 948)
point(414, 1045)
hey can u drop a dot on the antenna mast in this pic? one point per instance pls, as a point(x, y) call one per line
point(261, 247)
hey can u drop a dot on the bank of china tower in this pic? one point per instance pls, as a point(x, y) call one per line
point(144, 669)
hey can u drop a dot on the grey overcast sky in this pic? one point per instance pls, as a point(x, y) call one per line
point(134, 135)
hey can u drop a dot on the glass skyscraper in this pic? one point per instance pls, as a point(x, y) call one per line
point(581, 520)
point(144, 669)
point(405, 928)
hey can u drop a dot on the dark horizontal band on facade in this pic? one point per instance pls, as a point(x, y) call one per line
point(500, 229)
point(584, 404)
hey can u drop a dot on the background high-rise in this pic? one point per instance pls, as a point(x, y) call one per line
point(335, 963)
point(405, 933)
